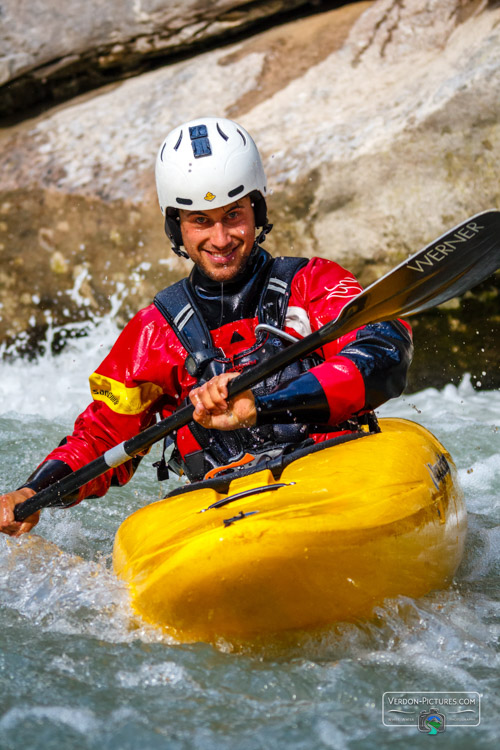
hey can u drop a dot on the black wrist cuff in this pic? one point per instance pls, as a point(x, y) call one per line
point(302, 400)
point(46, 474)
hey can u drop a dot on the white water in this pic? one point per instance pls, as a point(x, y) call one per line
point(77, 670)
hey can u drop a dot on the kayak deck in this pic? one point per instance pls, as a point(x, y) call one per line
point(336, 533)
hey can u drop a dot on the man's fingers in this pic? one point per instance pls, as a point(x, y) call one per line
point(212, 396)
point(211, 406)
point(28, 524)
point(8, 524)
point(216, 393)
point(204, 400)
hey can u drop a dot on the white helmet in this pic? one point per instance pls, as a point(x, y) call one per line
point(208, 163)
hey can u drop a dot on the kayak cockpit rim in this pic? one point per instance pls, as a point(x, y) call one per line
point(276, 465)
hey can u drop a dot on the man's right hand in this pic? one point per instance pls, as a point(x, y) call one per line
point(214, 411)
point(8, 524)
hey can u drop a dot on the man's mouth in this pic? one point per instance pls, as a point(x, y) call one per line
point(222, 257)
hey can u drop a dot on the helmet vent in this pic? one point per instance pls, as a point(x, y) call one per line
point(221, 133)
point(184, 201)
point(243, 137)
point(235, 191)
point(179, 141)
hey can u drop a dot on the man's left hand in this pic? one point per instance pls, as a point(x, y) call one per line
point(214, 411)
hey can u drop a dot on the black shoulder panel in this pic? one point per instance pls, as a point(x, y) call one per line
point(274, 300)
point(178, 307)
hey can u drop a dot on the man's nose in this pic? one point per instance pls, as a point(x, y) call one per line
point(220, 235)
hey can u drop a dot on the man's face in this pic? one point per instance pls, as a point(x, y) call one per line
point(219, 240)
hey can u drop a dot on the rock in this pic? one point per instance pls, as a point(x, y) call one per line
point(58, 263)
point(463, 339)
point(379, 123)
point(53, 55)
point(77, 270)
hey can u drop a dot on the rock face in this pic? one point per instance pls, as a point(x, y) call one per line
point(51, 52)
point(379, 124)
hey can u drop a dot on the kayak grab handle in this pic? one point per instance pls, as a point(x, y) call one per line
point(246, 493)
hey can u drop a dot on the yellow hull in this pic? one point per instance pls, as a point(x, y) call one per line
point(351, 525)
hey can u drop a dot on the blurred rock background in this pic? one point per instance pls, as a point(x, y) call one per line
point(378, 121)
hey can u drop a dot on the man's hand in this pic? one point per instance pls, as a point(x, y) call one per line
point(8, 524)
point(215, 412)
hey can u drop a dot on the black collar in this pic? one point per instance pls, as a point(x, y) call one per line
point(222, 303)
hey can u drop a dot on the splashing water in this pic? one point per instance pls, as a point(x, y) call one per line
point(79, 670)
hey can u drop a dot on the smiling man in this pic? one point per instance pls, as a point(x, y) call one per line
point(219, 241)
point(237, 308)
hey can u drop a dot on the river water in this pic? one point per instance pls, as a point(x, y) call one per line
point(78, 671)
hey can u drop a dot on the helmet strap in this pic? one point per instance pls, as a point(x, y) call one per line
point(173, 232)
point(263, 233)
point(179, 252)
point(259, 240)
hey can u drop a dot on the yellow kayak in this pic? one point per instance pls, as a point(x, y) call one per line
point(320, 538)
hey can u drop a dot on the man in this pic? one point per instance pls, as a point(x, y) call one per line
point(237, 307)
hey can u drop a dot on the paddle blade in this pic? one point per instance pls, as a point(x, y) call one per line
point(448, 267)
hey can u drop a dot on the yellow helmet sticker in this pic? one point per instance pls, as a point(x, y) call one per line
point(209, 196)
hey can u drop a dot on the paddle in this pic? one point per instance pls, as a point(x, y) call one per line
point(457, 261)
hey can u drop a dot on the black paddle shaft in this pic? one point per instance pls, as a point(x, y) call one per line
point(450, 266)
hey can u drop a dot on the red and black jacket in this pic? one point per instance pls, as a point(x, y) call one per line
point(145, 373)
